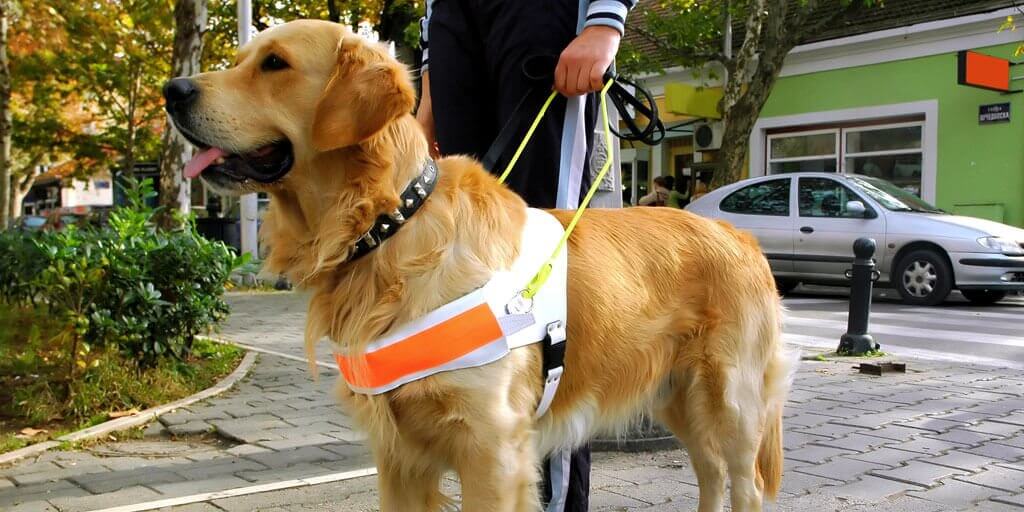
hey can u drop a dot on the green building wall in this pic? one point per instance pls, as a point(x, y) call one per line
point(976, 164)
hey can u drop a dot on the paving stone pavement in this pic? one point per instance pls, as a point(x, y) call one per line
point(942, 437)
point(853, 443)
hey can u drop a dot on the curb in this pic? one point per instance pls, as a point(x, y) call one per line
point(139, 419)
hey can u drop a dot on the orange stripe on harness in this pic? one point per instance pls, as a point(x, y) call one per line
point(444, 342)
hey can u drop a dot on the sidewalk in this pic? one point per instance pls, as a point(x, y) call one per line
point(941, 437)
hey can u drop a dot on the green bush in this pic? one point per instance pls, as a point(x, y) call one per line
point(145, 291)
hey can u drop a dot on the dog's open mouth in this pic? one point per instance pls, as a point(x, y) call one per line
point(265, 164)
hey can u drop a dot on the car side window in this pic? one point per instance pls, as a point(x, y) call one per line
point(824, 197)
point(764, 198)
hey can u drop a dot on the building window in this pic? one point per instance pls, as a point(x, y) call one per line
point(816, 151)
point(893, 152)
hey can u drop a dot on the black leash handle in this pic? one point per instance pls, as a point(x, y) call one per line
point(540, 69)
point(651, 134)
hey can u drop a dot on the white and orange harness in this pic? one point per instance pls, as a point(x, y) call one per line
point(481, 327)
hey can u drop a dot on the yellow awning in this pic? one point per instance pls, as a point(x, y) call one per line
point(688, 100)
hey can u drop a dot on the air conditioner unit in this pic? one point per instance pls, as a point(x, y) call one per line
point(707, 136)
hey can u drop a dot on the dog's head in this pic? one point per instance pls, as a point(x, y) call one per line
point(296, 91)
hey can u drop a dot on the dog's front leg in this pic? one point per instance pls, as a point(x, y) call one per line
point(405, 490)
point(500, 473)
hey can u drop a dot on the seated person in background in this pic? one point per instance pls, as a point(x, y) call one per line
point(675, 198)
point(659, 196)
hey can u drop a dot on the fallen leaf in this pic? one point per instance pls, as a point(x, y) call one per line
point(28, 433)
point(122, 414)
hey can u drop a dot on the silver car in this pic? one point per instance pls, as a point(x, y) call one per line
point(807, 222)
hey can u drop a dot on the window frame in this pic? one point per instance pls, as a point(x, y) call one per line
point(789, 198)
point(785, 135)
point(890, 152)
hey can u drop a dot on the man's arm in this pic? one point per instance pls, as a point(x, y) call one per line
point(425, 115)
point(425, 112)
point(582, 64)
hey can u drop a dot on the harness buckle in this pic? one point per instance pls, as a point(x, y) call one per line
point(556, 333)
point(520, 304)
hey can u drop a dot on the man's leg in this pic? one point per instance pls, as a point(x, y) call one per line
point(553, 169)
point(464, 106)
point(474, 94)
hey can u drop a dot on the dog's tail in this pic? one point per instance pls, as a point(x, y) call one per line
point(769, 456)
point(779, 374)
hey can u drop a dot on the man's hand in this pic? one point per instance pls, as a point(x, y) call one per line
point(582, 64)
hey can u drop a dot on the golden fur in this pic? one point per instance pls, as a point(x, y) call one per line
point(669, 313)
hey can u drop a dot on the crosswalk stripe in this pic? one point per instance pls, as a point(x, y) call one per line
point(1019, 317)
point(803, 340)
point(904, 332)
point(813, 301)
point(973, 324)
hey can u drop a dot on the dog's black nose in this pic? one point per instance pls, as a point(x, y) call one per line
point(179, 91)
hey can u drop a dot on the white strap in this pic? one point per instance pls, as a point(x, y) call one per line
point(550, 388)
point(556, 336)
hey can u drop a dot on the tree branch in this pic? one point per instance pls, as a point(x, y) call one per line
point(687, 54)
point(733, 89)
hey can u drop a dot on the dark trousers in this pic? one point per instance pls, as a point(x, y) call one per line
point(477, 52)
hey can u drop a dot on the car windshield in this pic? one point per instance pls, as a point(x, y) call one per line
point(34, 222)
point(892, 197)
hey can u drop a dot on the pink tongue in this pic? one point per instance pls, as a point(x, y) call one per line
point(201, 161)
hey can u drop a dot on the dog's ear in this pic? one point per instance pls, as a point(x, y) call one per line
point(360, 99)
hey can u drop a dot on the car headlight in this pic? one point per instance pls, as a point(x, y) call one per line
point(1003, 245)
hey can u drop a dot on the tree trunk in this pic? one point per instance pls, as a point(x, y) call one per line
point(190, 23)
point(5, 118)
point(22, 184)
point(17, 197)
point(333, 13)
point(257, 17)
point(749, 83)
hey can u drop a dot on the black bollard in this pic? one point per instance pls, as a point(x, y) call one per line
point(857, 341)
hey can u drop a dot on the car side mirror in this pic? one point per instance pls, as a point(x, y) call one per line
point(856, 209)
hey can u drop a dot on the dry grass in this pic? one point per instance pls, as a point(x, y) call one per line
point(35, 391)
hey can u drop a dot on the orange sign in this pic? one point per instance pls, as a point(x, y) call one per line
point(984, 71)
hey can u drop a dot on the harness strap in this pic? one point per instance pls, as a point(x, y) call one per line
point(553, 350)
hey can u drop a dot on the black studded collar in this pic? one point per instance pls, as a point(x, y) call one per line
point(408, 204)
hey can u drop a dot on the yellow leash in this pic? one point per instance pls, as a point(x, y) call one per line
point(542, 275)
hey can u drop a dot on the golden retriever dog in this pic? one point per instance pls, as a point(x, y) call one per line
point(669, 313)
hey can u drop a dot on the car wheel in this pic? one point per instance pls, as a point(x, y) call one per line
point(983, 297)
point(784, 286)
point(923, 278)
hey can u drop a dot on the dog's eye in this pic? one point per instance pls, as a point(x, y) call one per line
point(273, 63)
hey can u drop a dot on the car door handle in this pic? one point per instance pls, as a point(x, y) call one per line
point(807, 229)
